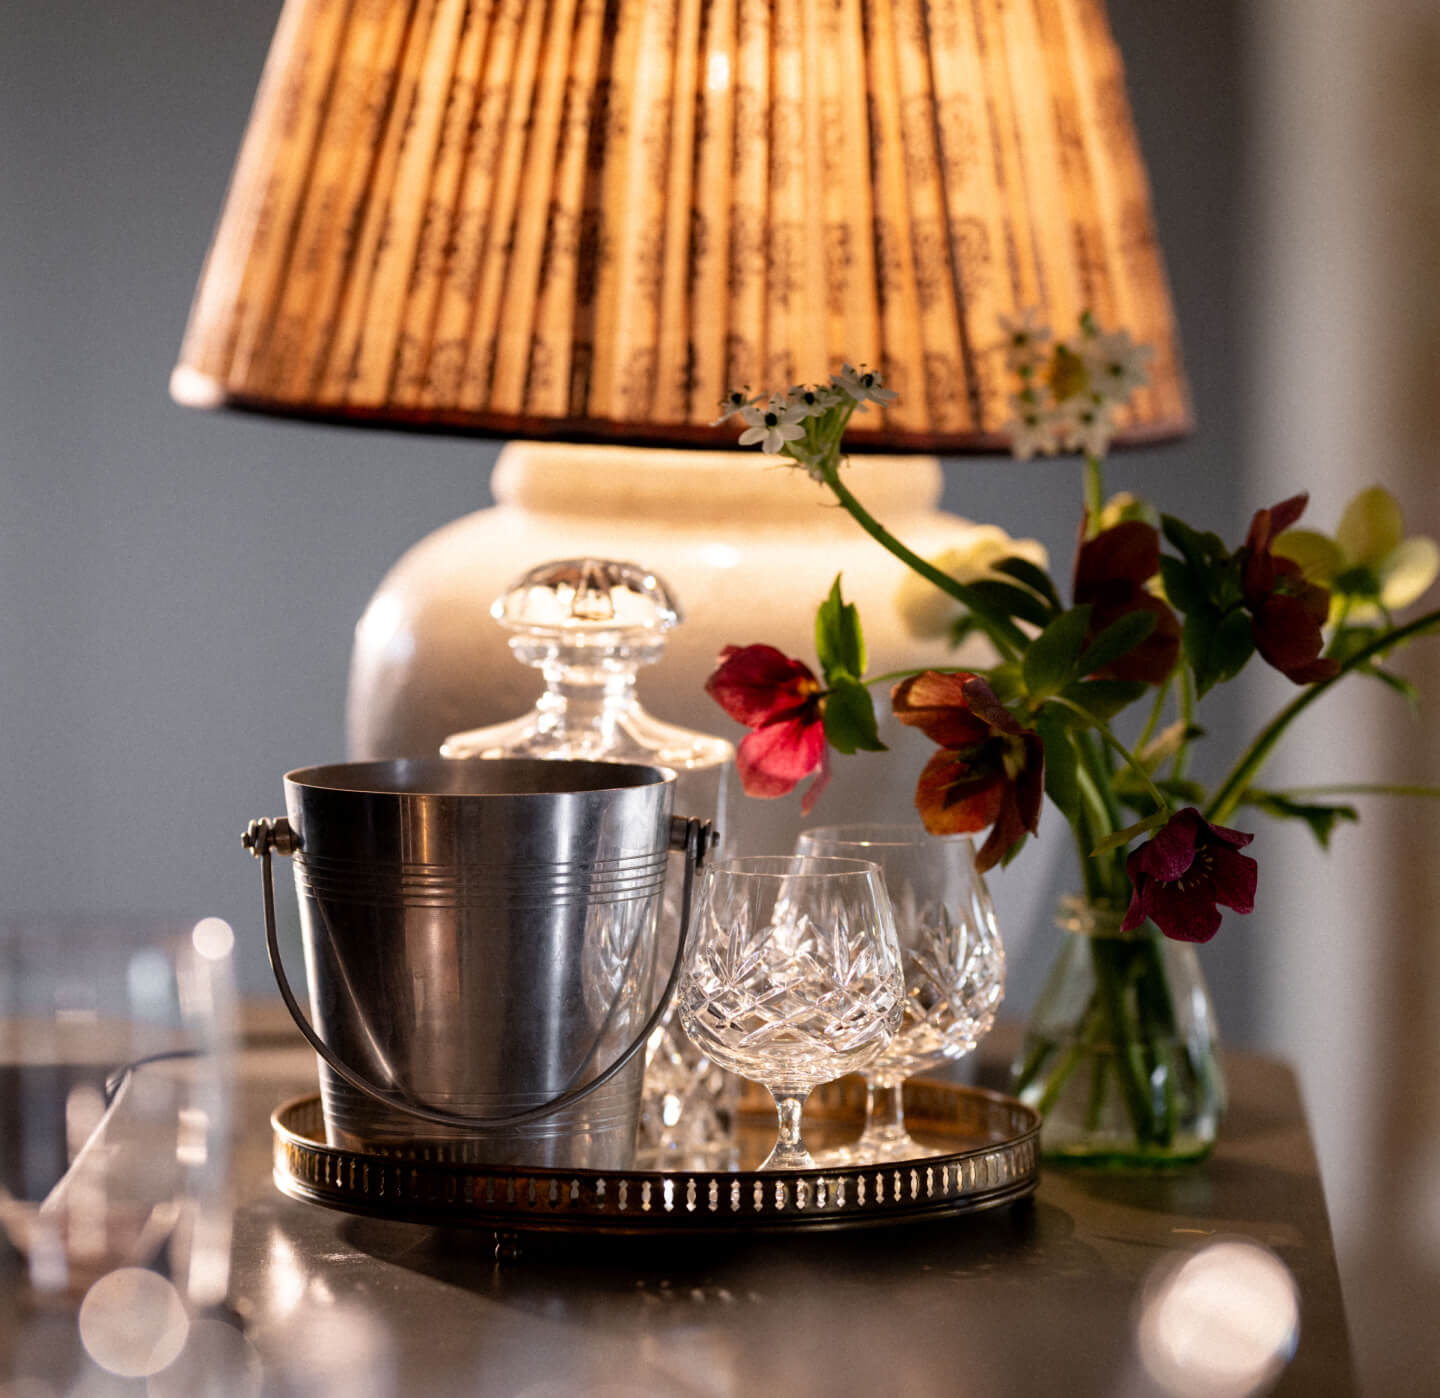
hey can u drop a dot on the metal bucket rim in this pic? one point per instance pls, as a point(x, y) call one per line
point(420, 777)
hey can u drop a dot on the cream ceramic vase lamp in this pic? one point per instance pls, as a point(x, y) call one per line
point(564, 222)
point(747, 548)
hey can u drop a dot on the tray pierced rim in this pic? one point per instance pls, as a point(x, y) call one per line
point(416, 1186)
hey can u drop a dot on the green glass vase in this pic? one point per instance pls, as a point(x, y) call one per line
point(1121, 1053)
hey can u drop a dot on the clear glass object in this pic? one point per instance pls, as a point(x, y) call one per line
point(954, 964)
point(589, 625)
point(792, 978)
point(116, 1052)
point(1121, 1053)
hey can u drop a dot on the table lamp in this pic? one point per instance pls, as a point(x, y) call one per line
point(577, 223)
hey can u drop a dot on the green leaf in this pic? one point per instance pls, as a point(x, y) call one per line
point(1011, 600)
point(1217, 646)
point(1103, 699)
point(850, 718)
point(1203, 551)
point(1321, 819)
point(1061, 783)
point(1036, 579)
point(1209, 573)
point(1117, 639)
point(839, 642)
point(1051, 659)
point(1123, 837)
point(1184, 586)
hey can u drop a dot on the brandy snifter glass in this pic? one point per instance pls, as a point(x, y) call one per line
point(792, 978)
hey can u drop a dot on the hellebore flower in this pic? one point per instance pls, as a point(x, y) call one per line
point(989, 770)
point(926, 611)
point(1371, 566)
point(1287, 612)
point(780, 699)
point(1111, 571)
point(1184, 871)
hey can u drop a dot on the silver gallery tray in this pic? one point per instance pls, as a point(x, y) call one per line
point(985, 1154)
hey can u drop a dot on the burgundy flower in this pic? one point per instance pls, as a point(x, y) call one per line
point(1184, 871)
point(989, 770)
point(780, 699)
point(1287, 612)
point(1111, 571)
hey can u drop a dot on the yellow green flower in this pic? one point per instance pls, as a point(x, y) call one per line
point(1370, 566)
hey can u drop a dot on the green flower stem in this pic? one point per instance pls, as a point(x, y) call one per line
point(1055, 1082)
point(1108, 955)
point(1117, 746)
point(1232, 790)
point(1094, 826)
point(1094, 495)
point(1009, 640)
point(1152, 721)
point(1039, 1051)
point(1111, 958)
point(1187, 719)
point(1096, 1106)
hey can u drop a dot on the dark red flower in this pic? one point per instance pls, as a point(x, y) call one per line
point(780, 699)
point(989, 770)
point(1287, 612)
point(1184, 871)
point(1111, 571)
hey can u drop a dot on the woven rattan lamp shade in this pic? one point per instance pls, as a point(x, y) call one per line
point(588, 220)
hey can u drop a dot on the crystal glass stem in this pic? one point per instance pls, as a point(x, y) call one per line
point(885, 1136)
point(789, 1152)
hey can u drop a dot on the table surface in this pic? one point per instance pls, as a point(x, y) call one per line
point(1033, 1299)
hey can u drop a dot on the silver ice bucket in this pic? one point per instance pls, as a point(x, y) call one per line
point(479, 939)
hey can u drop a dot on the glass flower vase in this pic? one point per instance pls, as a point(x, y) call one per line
point(1121, 1054)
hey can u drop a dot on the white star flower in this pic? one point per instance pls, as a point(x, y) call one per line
point(863, 385)
point(1034, 425)
point(1084, 424)
point(813, 400)
point(772, 425)
point(1116, 364)
point(733, 403)
point(1026, 336)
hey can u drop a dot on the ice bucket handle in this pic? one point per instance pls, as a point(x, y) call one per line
point(262, 837)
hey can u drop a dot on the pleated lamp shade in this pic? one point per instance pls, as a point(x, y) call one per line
point(589, 219)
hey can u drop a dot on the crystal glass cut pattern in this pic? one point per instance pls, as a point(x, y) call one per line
point(953, 959)
point(793, 978)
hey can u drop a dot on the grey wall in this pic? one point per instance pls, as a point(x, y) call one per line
point(177, 590)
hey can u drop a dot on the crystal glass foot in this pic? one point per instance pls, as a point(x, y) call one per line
point(953, 961)
point(792, 978)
